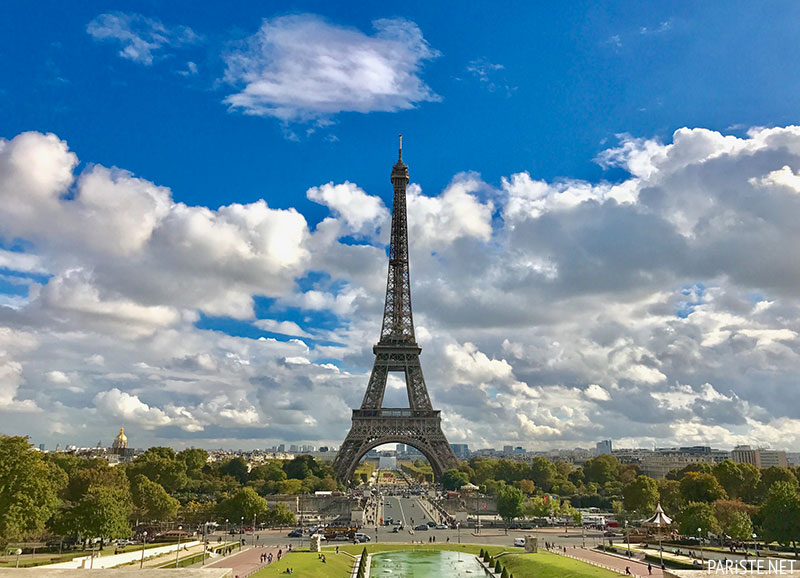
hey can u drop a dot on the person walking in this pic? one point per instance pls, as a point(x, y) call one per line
point(649, 568)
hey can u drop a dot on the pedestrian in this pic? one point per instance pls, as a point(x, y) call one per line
point(649, 568)
point(628, 571)
point(337, 549)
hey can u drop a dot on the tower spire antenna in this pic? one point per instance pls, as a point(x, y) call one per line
point(400, 150)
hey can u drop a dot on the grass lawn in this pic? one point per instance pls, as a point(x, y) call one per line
point(546, 565)
point(307, 564)
point(539, 565)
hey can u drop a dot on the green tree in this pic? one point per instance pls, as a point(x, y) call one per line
point(271, 471)
point(194, 459)
point(698, 515)
point(641, 495)
point(510, 503)
point(102, 512)
point(701, 487)
point(699, 467)
point(738, 480)
point(771, 476)
point(669, 492)
point(152, 500)
point(235, 468)
point(780, 514)
point(161, 466)
point(29, 488)
point(245, 503)
point(543, 473)
point(280, 515)
point(289, 487)
point(538, 507)
point(454, 479)
point(98, 473)
point(738, 526)
point(602, 469)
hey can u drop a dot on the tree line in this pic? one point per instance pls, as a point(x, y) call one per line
point(726, 498)
point(69, 496)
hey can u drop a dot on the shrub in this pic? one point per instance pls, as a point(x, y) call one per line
point(498, 567)
point(504, 574)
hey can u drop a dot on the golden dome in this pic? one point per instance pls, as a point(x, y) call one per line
point(121, 441)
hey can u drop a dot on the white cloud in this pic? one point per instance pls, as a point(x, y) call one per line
point(140, 37)
point(351, 204)
point(301, 68)
point(662, 309)
point(597, 393)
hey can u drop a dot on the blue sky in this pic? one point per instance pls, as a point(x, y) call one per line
point(599, 190)
point(574, 75)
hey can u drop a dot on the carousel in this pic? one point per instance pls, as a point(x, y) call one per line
point(659, 526)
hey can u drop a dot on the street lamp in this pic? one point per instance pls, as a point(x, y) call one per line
point(178, 551)
point(700, 536)
point(241, 530)
point(144, 540)
point(458, 527)
point(628, 538)
point(204, 542)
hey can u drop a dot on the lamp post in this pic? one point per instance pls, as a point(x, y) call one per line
point(144, 540)
point(700, 537)
point(458, 527)
point(628, 538)
point(253, 534)
point(205, 525)
point(226, 529)
point(178, 551)
point(477, 514)
point(241, 529)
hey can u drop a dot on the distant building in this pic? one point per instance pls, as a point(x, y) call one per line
point(120, 443)
point(759, 457)
point(460, 450)
point(508, 449)
point(603, 447)
point(281, 447)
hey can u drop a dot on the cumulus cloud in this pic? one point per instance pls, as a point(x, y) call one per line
point(302, 68)
point(662, 309)
point(139, 37)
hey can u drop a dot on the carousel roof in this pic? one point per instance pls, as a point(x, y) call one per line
point(659, 518)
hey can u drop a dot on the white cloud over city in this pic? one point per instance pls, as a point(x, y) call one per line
point(303, 68)
point(659, 309)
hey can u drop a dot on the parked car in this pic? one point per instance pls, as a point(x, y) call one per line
point(361, 537)
point(421, 527)
point(298, 533)
point(441, 526)
point(431, 524)
point(519, 542)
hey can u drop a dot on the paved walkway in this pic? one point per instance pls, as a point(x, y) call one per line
point(248, 561)
point(617, 563)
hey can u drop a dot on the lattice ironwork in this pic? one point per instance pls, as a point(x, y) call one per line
point(397, 350)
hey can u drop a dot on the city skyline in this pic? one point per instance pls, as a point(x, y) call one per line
point(602, 220)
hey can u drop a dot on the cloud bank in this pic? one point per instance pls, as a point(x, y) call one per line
point(661, 309)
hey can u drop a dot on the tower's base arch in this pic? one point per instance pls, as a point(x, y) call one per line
point(420, 429)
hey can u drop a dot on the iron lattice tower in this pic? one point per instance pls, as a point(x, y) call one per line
point(419, 425)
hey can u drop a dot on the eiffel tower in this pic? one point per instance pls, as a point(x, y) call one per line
point(419, 425)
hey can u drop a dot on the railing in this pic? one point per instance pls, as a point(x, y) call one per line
point(396, 412)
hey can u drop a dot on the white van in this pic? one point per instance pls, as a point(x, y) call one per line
point(520, 542)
